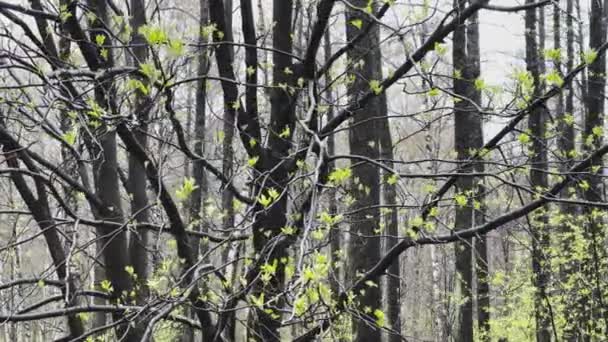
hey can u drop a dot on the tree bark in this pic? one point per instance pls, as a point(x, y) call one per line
point(105, 171)
point(139, 240)
point(594, 231)
point(538, 175)
point(364, 244)
point(481, 242)
point(468, 135)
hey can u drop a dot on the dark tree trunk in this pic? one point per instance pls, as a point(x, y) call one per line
point(594, 231)
point(197, 219)
point(139, 240)
point(481, 245)
point(468, 135)
point(335, 241)
point(538, 175)
point(567, 150)
point(105, 171)
point(282, 117)
point(228, 129)
point(365, 246)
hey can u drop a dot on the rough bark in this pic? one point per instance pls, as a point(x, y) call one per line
point(364, 245)
point(139, 240)
point(538, 176)
point(594, 231)
point(335, 239)
point(468, 135)
point(282, 117)
point(105, 171)
point(481, 244)
point(567, 150)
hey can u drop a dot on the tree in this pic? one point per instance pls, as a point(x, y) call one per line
point(468, 135)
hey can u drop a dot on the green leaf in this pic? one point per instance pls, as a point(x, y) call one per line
point(186, 189)
point(553, 54)
point(569, 119)
point(358, 23)
point(285, 133)
point(149, 70)
point(288, 230)
point(154, 35)
point(440, 49)
point(340, 175)
point(176, 47)
point(554, 78)
point(273, 193)
point(590, 56)
point(434, 92)
point(139, 85)
point(480, 84)
point(380, 319)
point(130, 270)
point(253, 160)
point(106, 286)
point(524, 138)
point(461, 200)
point(300, 305)
point(264, 200)
point(392, 179)
point(100, 39)
point(257, 301)
point(375, 87)
point(598, 131)
point(70, 137)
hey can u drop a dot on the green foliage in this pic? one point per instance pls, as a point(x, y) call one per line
point(589, 56)
point(358, 23)
point(554, 78)
point(375, 87)
point(554, 55)
point(340, 175)
point(186, 189)
point(434, 92)
point(71, 135)
point(154, 35)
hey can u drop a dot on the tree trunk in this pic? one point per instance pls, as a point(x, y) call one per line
point(468, 135)
point(538, 176)
point(567, 150)
point(139, 240)
point(227, 144)
point(593, 139)
point(282, 117)
point(481, 242)
point(105, 171)
point(365, 246)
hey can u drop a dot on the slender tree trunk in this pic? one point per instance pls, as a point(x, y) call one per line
point(481, 245)
point(468, 136)
point(389, 197)
point(335, 242)
point(567, 152)
point(227, 144)
point(139, 240)
point(364, 249)
point(538, 176)
point(594, 123)
point(282, 118)
point(105, 170)
point(199, 174)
